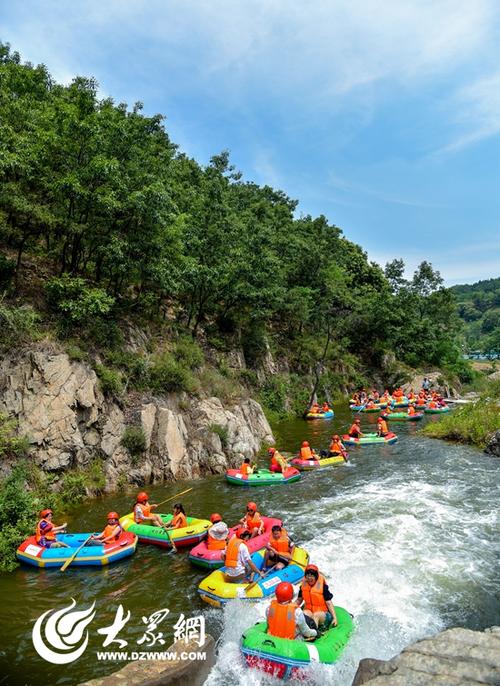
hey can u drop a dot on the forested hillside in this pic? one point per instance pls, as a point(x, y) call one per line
point(104, 219)
point(479, 308)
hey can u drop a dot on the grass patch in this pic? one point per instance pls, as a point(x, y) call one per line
point(134, 440)
point(11, 444)
point(110, 379)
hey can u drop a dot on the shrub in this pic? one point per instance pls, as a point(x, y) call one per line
point(18, 512)
point(111, 380)
point(134, 440)
point(75, 353)
point(7, 269)
point(168, 374)
point(17, 325)
point(188, 353)
point(79, 483)
point(76, 301)
point(10, 443)
point(133, 365)
point(221, 432)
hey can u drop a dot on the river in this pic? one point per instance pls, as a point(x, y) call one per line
point(406, 535)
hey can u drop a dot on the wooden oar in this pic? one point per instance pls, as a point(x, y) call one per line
point(251, 585)
point(70, 559)
point(178, 495)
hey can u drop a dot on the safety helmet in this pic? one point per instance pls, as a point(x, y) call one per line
point(252, 506)
point(215, 517)
point(305, 444)
point(242, 531)
point(380, 419)
point(271, 451)
point(284, 592)
point(46, 512)
point(142, 497)
point(312, 569)
point(113, 515)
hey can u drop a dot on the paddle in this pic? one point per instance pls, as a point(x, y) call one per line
point(70, 559)
point(251, 585)
point(174, 496)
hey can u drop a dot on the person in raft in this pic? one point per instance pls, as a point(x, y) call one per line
point(178, 520)
point(279, 550)
point(317, 599)
point(278, 462)
point(247, 468)
point(285, 619)
point(411, 411)
point(111, 531)
point(217, 534)
point(325, 407)
point(306, 452)
point(337, 447)
point(315, 409)
point(237, 561)
point(46, 531)
point(355, 430)
point(382, 428)
point(143, 514)
point(252, 521)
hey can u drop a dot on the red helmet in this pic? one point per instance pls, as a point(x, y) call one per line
point(215, 517)
point(142, 497)
point(305, 444)
point(252, 506)
point(284, 592)
point(312, 568)
point(241, 531)
point(271, 451)
point(380, 419)
point(46, 512)
point(113, 515)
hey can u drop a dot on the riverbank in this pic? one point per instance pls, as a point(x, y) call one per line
point(475, 423)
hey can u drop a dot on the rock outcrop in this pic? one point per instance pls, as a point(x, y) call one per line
point(437, 384)
point(58, 404)
point(456, 657)
point(493, 447)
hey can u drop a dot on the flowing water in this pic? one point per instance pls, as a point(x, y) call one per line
point(406, 535)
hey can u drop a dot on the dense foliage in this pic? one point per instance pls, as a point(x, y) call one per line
point(479, 308)
point(129, 225)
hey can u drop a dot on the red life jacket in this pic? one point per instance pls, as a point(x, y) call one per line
point(47, 533)
point(281, 620)
point(253, 521)
point(313, 595)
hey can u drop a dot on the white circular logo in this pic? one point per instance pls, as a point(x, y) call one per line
point(63, 632)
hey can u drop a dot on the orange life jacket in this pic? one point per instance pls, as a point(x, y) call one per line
point(179, 521)
point(335, 447)
point(306, 454)
point(246, 469)
point(109, 528)
point(274, 462)
point(232, 550)
point(145, 509)
point(433, 404)
point(383, 427)
point(254, 521)
point(46, 533)
point(411, 410)
point(325, 408)
point(214, 544)
point(355, 429)
point(420, 402)
point(281, 620)
point(313, 595)
point(282, 544)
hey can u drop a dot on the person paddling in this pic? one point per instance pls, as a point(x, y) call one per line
point(143, 511)
point(237, 560)
point(285, 619)
point(355, 430)
point(46, 531)
point(111, 531)
point(337, 447)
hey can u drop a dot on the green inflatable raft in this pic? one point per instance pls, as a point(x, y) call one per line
point(285, 658)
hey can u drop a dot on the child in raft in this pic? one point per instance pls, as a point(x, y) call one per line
point(143, 514)
point(46, 531)
point(111, 531)
point(178, 520)
point(247, 467)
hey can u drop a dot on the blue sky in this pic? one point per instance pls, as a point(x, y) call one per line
point(384, 116)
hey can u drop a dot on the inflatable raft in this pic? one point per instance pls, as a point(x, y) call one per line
point(201, 556)
point(263, 477)
point(216, 591)
point(370, 439)
point(285, 658)
point(436, 410)
point(89, 556)
point(183, 538)
point(403, 416)
point(308, 465)
point(320, 415)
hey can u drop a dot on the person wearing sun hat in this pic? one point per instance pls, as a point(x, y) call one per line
point(217, 534)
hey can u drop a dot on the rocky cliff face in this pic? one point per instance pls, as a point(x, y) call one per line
point(59, 406)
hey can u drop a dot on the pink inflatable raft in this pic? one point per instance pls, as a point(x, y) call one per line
point(201, 556)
